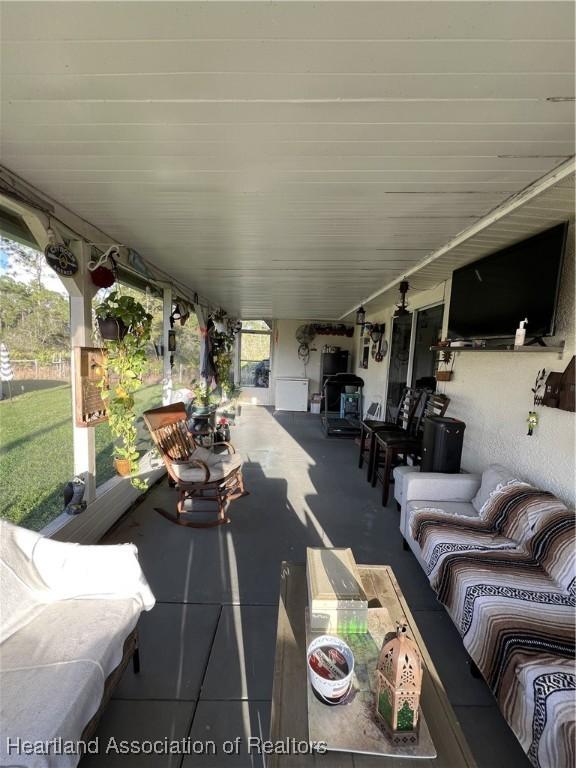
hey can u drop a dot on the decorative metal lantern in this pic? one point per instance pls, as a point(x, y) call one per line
point(398, 686)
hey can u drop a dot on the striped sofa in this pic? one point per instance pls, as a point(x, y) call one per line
point(506, 574)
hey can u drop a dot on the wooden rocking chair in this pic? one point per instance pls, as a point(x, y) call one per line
point(199, 474)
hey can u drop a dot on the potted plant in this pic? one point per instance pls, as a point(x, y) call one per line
point(444, 372)
point(202, 398)
point(116, 314)
point(124, 365)
point(219, 320)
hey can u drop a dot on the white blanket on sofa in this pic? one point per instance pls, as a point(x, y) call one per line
point(66, 611)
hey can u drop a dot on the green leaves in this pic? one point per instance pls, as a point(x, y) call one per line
point(130, 311)
point(125, 365)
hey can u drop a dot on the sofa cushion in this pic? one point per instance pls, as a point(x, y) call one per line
point(540, 710)
point(40, 704)
point(23, 595)
point(558, 553)
point(456, 508)
point(54, 669)
point(525, 510)
point(492, 477)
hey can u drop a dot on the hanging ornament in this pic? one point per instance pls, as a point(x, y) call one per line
point(103, 270)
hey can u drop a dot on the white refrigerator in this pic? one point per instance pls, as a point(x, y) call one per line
point(291, 394)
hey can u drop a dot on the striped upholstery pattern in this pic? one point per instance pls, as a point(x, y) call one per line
point(541, 710)
point(511, 511)
point(508, 581)
point(522, 566)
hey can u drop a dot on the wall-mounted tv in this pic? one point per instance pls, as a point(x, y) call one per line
point(490, 296)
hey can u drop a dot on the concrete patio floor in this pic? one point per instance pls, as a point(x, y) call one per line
point(207, 648)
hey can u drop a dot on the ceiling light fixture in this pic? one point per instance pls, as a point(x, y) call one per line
point(401, 309)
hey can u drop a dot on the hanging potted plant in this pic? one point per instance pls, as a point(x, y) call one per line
point(124, 366)
point(219, 320)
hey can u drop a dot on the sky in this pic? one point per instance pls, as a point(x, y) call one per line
point(10, 266)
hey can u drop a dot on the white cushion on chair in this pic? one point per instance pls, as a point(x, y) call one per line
point(220, 469)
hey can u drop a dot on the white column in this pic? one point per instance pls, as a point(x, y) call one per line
point(167, 378)
point(81, 290)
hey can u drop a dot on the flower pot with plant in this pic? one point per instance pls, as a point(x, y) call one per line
point(445, 369)
point(202, 398)
point(219, 320)
point(124, 366)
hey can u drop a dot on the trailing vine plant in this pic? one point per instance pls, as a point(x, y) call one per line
point(124, 366)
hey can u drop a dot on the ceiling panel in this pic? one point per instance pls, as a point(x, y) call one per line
point(287, 159)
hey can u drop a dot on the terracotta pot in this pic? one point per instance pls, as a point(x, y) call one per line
point(112, 329)
point(122, 467)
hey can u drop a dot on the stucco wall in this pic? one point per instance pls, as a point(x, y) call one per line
point(286, 361)
point(491, 393)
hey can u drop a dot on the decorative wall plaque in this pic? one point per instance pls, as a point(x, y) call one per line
point(61, 259)
point(89, 407)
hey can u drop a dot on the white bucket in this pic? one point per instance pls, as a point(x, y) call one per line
point(330, 690)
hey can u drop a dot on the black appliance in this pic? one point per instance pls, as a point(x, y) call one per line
point(333, 423)
point(492, 295)
point(332, 363)
point(442, 444)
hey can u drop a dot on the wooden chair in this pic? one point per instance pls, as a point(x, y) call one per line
point(389, 446)
point(402, 423)
point(198, 473)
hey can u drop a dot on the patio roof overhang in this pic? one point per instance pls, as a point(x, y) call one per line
point(291, 159)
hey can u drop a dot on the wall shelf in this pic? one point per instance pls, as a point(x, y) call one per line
point(558, 350)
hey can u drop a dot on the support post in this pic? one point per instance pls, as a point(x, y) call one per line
point(81, 290)
point(167, 372)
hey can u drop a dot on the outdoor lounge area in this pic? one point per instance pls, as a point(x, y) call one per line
point(287, 384)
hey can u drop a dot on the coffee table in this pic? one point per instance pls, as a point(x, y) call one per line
point(289, 697)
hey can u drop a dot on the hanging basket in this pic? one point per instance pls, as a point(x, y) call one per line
point(112, 328)
point(103, 277)
point(443, 375)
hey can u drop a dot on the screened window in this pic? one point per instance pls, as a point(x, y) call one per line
point(36, 452)
point(255, 345)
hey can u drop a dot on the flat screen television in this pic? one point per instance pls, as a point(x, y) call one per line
point(490, 296)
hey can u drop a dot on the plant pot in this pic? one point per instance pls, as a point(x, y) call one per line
point(122, 467)
point(112, 329)
point(443, 375)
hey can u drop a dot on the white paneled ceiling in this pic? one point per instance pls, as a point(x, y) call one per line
point(286, 159)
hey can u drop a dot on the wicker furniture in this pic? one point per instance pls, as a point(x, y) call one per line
point(388, 446)
point(213, 479)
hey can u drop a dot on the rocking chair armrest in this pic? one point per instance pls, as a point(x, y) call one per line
point(228, 445)
point(198, 463)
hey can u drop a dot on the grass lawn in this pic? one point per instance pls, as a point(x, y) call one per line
point(36, 459)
